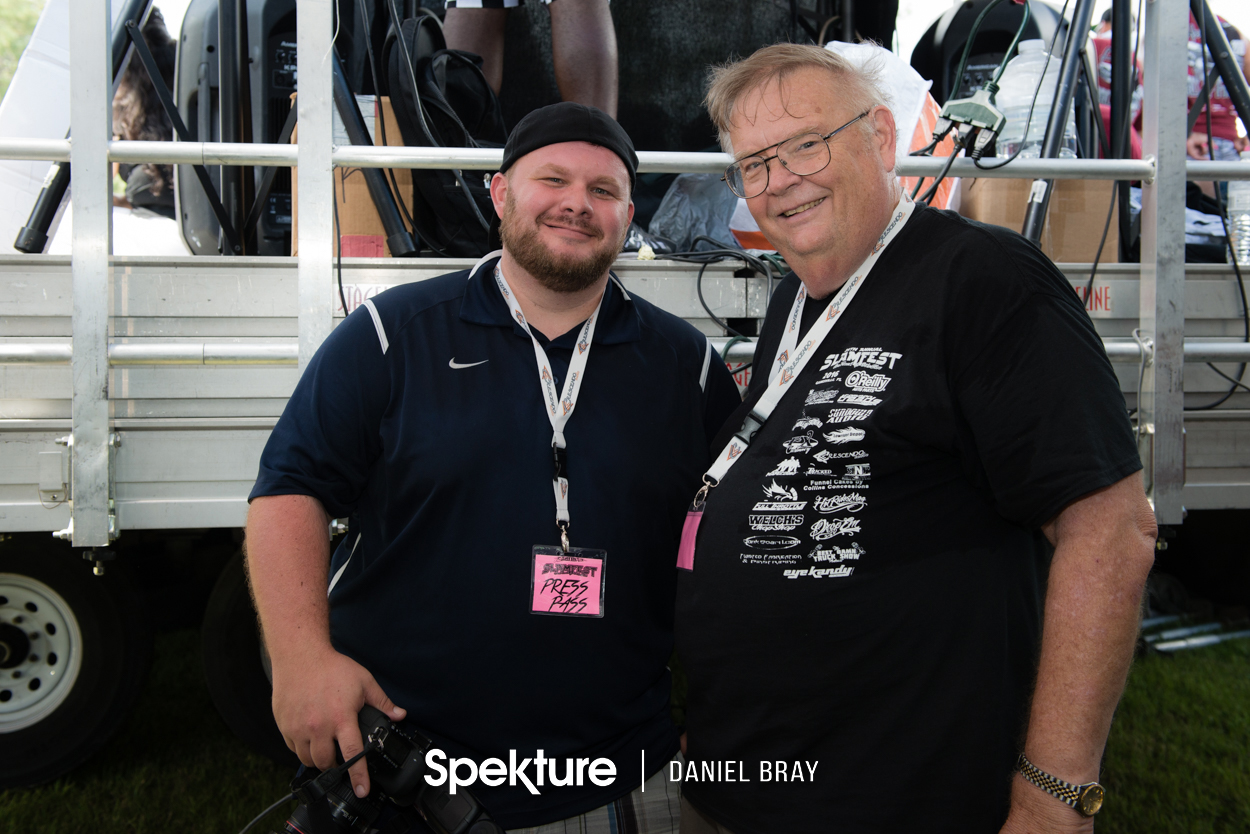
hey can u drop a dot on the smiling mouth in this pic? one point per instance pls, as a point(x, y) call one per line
point(575, 229)
point(802, 208)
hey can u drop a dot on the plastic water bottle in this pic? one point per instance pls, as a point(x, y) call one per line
point(1239, 215)
point(1015, 96)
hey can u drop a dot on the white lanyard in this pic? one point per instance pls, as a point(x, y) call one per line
point(559, 405)
point(793, 356)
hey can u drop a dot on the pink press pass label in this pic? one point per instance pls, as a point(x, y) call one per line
point(567, 584)
point(689, 533)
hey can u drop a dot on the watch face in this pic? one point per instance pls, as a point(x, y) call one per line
point(1091, 800)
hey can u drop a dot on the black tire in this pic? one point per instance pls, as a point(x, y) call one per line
point(236, 675)
point(91, 632)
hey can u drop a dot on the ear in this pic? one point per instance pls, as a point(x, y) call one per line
point(629, 218)
point(885, 140)
point(498, 192)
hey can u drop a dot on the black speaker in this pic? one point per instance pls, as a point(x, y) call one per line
point(271, 48)
point(937, 53)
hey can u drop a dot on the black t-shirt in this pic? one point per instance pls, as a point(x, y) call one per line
point(867, 583)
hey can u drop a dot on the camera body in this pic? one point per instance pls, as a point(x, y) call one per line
point(396, 761)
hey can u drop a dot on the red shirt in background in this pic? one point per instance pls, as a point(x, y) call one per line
point(1102, 47)
point(1223, 115)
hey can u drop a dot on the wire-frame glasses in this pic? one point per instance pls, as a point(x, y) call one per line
point(803, 155)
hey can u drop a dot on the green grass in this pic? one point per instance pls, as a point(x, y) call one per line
point(1178, 759)
point(17, 21)
point(174, 766)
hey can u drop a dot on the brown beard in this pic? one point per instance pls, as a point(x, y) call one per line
point(555, 272)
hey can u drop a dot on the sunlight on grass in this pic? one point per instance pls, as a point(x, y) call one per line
point(174, 766)
point(1178, 753)
point(1176, 761)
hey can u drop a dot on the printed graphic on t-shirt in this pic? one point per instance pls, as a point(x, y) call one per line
point(849, 501)
point(783, 499)
point(789, 466)
point(801, 444)
point(808, 526)
point(860, 381)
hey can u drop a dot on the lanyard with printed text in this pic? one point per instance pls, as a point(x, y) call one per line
point(560, 405)
point(793, 355)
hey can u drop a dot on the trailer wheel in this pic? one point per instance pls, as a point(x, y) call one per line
point(234, 666)
point(74, 652)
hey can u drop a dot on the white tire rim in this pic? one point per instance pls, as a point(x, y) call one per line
point(33, 685)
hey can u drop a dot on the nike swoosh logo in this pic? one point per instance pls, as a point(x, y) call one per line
point(455, 366)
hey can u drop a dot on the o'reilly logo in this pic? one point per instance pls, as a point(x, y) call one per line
point(461, 773)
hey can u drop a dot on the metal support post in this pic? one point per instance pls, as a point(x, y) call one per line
point(91, 125)
point(1039, 196)
point(229, 87)
point(1162, 400)
point(1122, 35)
point(33, 237)
point(314, 28)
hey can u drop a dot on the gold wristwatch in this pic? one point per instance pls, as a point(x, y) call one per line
point(1086, 799)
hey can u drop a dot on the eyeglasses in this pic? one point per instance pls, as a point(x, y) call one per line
point(802, 155)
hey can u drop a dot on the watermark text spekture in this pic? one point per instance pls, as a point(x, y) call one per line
point(458, 773)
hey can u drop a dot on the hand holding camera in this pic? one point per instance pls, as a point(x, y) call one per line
point(395, 761)
point(315, 711)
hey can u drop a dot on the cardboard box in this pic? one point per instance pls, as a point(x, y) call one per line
point(360, 227)
point(1074, 222)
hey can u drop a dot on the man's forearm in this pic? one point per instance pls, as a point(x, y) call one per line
point(1088, 637)
point(1104, 547)
point(288, 557)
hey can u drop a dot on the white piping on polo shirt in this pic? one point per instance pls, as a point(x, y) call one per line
point(339, 573)
point(377, 324)
point(707, 363)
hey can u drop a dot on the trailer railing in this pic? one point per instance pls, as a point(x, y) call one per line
point(668, 162)
point(286, 352)
point(1162, 350)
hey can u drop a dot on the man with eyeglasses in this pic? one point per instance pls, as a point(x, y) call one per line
point(914, 571)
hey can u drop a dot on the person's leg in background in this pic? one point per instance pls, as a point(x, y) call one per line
point(479, 29)
point(583, 47)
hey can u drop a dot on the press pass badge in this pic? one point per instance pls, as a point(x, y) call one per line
point(567, 584)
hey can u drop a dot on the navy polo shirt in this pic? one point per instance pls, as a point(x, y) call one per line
point(422, 419)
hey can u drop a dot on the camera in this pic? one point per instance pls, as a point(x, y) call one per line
point(396, 761)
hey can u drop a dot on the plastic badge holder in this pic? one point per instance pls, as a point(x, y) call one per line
point(567, 584)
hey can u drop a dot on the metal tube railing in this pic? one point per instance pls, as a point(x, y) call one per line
point(488, 159)
point(158, 353)
point(287, 352)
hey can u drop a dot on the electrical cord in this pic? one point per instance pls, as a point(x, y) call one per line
point(950, 160)
point(707, 257)
point(976, 27)
point(381, 126)
point(698, 286)
point(338, 251)
point(397, 22)
point(967, 132)
point(267, 811)
point(1050, 51)
point(1219, 201)
point(1106, 143)
point(1024, 21)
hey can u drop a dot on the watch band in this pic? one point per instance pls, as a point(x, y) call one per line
point(1085, 799)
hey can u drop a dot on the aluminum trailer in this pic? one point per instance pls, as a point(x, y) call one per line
point(136, 393)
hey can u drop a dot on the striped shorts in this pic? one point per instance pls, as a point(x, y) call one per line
point(652, 808)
